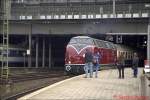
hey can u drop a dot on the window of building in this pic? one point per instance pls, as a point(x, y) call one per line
point(128, 15)
point(56, 16)
point(83, 16)
point(105, 15)
point(90, 16)
point(42, 17)
point(98, 15)
point(76, 16)
point(22, 17)
point(49, 17)
point(70, 16)
point(29, 17)
point(62, 16)
point(119, 15)
point(144, 14)
point(136, 15)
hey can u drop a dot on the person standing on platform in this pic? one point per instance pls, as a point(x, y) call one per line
point(88, 63)
point(121, 65)
point(135, 62)
point(96, 62)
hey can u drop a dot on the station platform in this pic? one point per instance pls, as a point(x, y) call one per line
point(106, 87)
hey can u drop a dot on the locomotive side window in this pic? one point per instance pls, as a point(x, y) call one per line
point(100, 43)
point(103, 44)
point(110, 45)
point(96, 42)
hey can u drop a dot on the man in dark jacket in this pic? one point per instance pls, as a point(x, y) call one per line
point(135, 62)
point(88, 63)
point(121, 64)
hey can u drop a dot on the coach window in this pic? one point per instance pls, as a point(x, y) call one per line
point(119, 53)
point(130, 55)
point(126, 54)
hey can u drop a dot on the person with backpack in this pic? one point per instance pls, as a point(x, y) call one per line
point(96, 62)
point(88, 63)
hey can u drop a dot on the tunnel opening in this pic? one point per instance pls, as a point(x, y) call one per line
point(58, 47)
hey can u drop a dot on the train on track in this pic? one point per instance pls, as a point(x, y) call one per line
point(16, 55)
point(75, 50)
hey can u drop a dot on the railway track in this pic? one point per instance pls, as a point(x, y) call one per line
point(33, 82)
point(30, 83)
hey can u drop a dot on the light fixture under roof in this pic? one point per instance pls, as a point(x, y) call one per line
point(147, 5)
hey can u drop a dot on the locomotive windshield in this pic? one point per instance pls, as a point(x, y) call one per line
point(81, 41)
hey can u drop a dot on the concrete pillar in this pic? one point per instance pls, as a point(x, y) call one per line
point(148, 43)
point(30, 40)
point(114, 8)
point(43, 54)
point(37, 52)
point(49, 64)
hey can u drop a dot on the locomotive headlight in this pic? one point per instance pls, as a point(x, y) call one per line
point(68, 68)
point(69, 62)
point(83, 55)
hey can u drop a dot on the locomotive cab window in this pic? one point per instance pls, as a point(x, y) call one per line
point(99, 43)
point(107, 45)
point(81, 41)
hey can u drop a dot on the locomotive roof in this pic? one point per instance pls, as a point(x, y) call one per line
point(103, 43)
point(91, 38)
point(82, 37)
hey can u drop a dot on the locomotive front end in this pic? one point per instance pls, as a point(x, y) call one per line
point(75, 50)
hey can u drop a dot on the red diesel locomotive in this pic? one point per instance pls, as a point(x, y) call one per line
point(75, 50)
